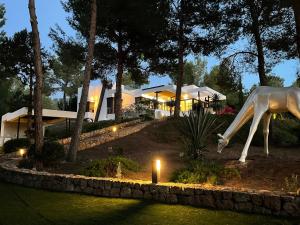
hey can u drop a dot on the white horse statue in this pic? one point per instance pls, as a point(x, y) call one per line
point(261, 103)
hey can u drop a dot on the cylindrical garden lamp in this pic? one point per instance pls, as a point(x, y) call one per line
point(155, 171)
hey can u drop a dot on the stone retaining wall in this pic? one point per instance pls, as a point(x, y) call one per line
point(101, 136)
point(250, 201)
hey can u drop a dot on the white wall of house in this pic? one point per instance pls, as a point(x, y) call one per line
point(94, 95)
point(9, 129)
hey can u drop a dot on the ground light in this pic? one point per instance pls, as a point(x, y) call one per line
point(156, 171)
point(22, 152)
point(114, 129)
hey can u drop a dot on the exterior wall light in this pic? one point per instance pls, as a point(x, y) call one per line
point(156, 171)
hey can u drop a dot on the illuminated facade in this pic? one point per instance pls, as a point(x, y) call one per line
point(159, 98)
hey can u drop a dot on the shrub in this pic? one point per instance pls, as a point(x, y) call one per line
point(292, 184)
point(140, 109)
point(52, 153)
point(108, 167)
point(87, 127)
point(204, 172)
point(196, 127)
point(14, 145)
point(26, 163)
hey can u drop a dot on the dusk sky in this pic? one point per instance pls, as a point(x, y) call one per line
point(51, 12)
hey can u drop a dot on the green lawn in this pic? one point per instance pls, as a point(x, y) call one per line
point(29, 206)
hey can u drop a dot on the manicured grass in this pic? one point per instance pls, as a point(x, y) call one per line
point(29, 206)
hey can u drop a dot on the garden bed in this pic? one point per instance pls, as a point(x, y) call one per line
point(162, 140)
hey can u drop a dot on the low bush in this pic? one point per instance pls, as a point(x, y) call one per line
point(26, 163)
point(292, 184)
point(204, 172)
point(87, 127)
point(52, 153)
point(14, 145)
point(108, 167)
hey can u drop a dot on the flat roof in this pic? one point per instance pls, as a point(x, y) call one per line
point(47, 114)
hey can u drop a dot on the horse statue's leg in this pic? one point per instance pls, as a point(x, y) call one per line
point(261, 106)
point(266, 123)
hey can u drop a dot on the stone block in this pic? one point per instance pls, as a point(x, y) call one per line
point(261, 210)
point(163, 189)
point(147, 195)
point(243, 206)
point(115, 192)
point(106, 193)
point(175, 190)
point(188, 191)
point(227, 195)
point(291, 208)
point(137, 193)
point(172, 198)
point(125, 192)
point(107, 184)
point(145, 187)
point(186, 200)
point(217, 195)
point(137, 186)
point(116, 184)
point(257, 199)
point(272, 202)
point(241, 197)
point(224, 204)
point(198, 191)
point(206, 201)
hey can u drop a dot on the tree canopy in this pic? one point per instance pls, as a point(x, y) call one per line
point(194, 72)
point(261, 23)
point(127, 39)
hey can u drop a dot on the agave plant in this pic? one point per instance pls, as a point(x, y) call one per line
point(196, 127)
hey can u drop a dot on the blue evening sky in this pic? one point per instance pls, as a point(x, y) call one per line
point(51, 12)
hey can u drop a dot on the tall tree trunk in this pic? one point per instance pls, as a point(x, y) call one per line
point(118, 94)
point(180, 65)
point(64, 101)
point(296, 8)
point(259, 45)
point(38, 110)
point(72, 154)
point(101, 97)
point(29, 112)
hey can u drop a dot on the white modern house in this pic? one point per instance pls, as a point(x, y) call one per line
point(158, 98)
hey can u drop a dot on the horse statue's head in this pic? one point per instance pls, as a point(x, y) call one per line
point(222, 143)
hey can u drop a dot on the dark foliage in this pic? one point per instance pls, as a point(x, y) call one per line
point(108, 167)
point(14, 145)
point(52, 153)
point(204, 172)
